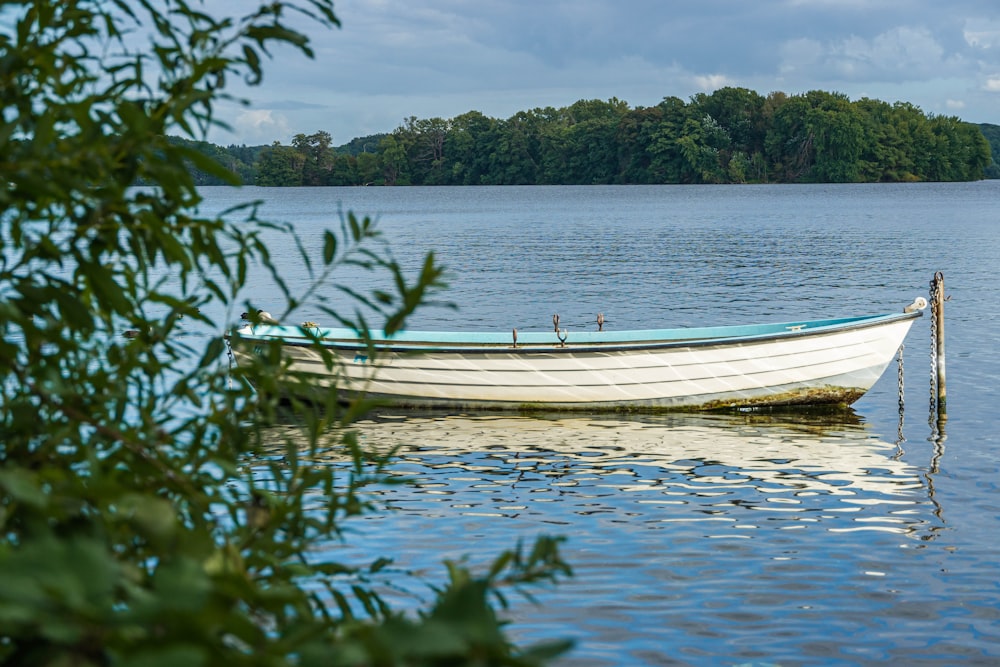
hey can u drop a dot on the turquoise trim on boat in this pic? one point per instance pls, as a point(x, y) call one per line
point(444, 340)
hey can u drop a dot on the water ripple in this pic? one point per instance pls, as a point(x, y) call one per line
point(715, 540)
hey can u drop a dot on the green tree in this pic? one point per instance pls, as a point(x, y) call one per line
point(790, 144)
point(837, 132)
point(243, 160)
point(992, 136)
point(279, 166)
point(732, 135)
point(634, 141)
point(426, 140)
point(317, 157)
point(419, 145)
point(579, 148)
point(886, 154)
point(344, 171)
point(516, 157)
point(705, 147)
point(395, 166)
point(739, 113)
point(469, 144)
point(668, 163)
point(979, 156)
point(136, 525)
point(368, 166)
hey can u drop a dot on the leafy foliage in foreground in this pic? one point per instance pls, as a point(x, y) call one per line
point(149, 515)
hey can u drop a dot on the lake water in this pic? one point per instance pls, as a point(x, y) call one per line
point(751, 539)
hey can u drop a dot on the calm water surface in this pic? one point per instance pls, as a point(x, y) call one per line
point(751, 539)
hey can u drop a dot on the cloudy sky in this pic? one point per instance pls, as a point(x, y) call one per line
point(392, 59)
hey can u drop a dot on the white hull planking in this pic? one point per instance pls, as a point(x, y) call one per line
point(834, 367)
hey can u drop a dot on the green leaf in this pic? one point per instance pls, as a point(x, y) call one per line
point(329, 247)
point(23, 486)
point(252, 59)
point(213, 351)
point(153, 517)
point(210, 165)
point(171, 656)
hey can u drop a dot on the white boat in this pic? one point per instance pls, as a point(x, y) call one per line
point(832, 361)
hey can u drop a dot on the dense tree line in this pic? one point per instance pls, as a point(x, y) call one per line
point(733, 135)
point(992, 134)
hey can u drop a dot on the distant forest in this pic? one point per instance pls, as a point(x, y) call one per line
point(733, 135)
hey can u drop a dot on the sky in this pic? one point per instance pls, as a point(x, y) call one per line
point(392, 59)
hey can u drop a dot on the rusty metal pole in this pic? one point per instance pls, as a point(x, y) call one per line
point(938, 313)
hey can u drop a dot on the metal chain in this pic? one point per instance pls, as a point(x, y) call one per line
point(899, 365)
point(899, 374)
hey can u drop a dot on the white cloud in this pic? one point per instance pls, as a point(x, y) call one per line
point(799, 54)
point(711, 82)
point(903, 48)
point(900, 53)
point(982, 33)
point(439, 58)
point(261, 125)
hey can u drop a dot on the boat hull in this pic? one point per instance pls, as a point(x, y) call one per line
point(795, 364)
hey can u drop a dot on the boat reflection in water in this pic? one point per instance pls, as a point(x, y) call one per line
point(755, 528)
point(648, 470)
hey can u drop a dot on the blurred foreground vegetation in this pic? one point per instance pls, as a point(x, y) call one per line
point(149, 514)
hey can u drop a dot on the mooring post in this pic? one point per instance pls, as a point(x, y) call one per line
point(937, 312)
